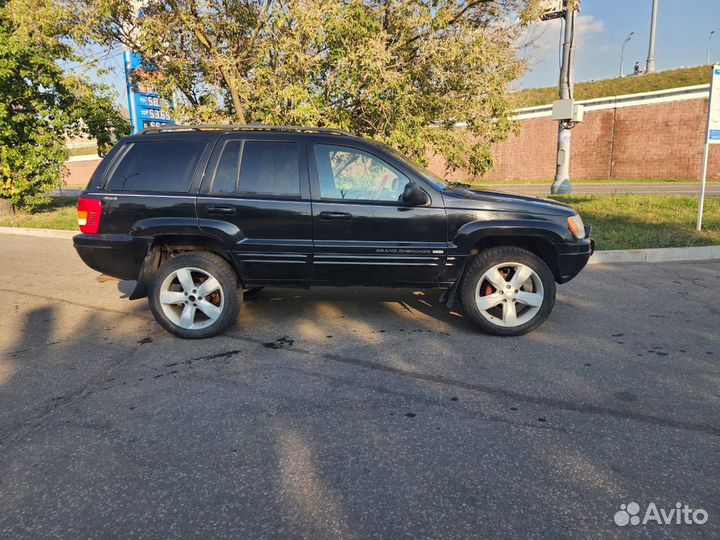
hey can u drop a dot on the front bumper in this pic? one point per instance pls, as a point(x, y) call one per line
point(573, 256)
point(116, 255)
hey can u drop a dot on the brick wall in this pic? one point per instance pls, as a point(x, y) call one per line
point(79, 172)
point(660, 141)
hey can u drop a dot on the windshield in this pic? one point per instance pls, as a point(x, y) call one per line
point(437, 182)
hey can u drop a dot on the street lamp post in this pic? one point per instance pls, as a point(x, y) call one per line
point(622, 54)
point(650, 64)
point(707, 60)
point(561, 184)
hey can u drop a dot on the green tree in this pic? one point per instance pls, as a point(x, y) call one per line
point(40, 104)
point(404, 72)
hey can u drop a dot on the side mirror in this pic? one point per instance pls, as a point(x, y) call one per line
point(414, 195)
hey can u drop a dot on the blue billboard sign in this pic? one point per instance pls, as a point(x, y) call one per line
point(147, 107)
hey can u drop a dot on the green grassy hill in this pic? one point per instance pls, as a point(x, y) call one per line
point(83, 151)
point(615, 87)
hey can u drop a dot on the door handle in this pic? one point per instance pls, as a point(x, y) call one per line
point(224, 210)
point(335, 215)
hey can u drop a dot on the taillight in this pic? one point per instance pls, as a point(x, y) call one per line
point(89, 212)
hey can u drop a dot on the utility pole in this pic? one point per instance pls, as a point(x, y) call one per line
point(650, 65)
point(561, 184)
point(622, 53)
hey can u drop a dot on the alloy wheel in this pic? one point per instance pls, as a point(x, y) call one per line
point(191, 298)
point(509, 294)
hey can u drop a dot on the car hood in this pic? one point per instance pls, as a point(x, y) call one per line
point(464, 198)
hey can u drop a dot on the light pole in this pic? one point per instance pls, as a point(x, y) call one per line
point(561, 184)
point(707, 60)
point(622, 54)
point(650, 64)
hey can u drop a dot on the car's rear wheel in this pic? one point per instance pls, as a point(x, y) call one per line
point(507, 291)
point(195, 295)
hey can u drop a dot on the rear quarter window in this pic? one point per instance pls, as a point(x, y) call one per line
point(156, 166)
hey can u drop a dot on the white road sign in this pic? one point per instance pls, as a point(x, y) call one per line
point(713, 132)
point(712, 135)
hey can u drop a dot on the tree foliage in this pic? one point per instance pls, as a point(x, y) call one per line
point(403, 72)
point(40, 104)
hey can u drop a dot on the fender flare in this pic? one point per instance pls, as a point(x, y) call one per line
point(178, 231)
point(515, 231)
point(474, 232)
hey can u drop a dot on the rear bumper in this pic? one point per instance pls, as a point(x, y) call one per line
point(572, 257)
point(116, 255)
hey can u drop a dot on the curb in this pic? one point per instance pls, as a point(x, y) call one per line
point(42, 233)
point(599, 257)
point(656, 255)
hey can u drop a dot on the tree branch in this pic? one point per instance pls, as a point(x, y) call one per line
point(205, 41)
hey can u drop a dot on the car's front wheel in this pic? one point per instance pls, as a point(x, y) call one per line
point(195, 295)
point(507, 291)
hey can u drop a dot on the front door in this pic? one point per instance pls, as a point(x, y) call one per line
point(255, 197)
point(363, 232)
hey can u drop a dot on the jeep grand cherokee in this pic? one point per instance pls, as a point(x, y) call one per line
point(198, 214)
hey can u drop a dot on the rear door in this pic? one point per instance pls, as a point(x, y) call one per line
point(364, 233)
point(255, 198)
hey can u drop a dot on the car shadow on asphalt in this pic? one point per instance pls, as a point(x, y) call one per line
point(422, 306)
point(272, 302)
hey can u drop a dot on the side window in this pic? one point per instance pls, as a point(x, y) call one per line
point(270, 168)
point(226, 172)
point(347, 173)
point(156, 166)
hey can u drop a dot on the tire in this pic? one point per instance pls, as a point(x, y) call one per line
point(183, 307)
point(521, 297)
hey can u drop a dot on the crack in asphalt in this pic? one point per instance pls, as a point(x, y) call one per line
point(696, 281)
point(76, 304)
point(536, 400)
point(59, 404)
point(428, 401)
point(561, 404)
point(291, 405)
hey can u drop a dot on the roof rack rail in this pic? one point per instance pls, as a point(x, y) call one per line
point(247, 127)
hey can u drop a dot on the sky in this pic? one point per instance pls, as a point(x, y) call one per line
point(683, 28)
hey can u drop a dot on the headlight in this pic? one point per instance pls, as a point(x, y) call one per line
point(576, 226)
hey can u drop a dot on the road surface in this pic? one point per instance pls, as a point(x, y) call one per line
point(338, 413)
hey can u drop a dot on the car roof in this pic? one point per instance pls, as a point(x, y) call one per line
point(230, 128)
point(188, 131)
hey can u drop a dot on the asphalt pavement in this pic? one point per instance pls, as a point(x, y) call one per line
point(355, 413)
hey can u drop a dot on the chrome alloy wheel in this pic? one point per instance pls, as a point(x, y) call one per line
point(191, 298)
point(509, 294)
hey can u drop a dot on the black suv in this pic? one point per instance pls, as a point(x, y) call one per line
point(198, 214)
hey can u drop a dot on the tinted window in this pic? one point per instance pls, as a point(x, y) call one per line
point(226, 172)
point(270, 168)
point(157, 166)
point(347, 173)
